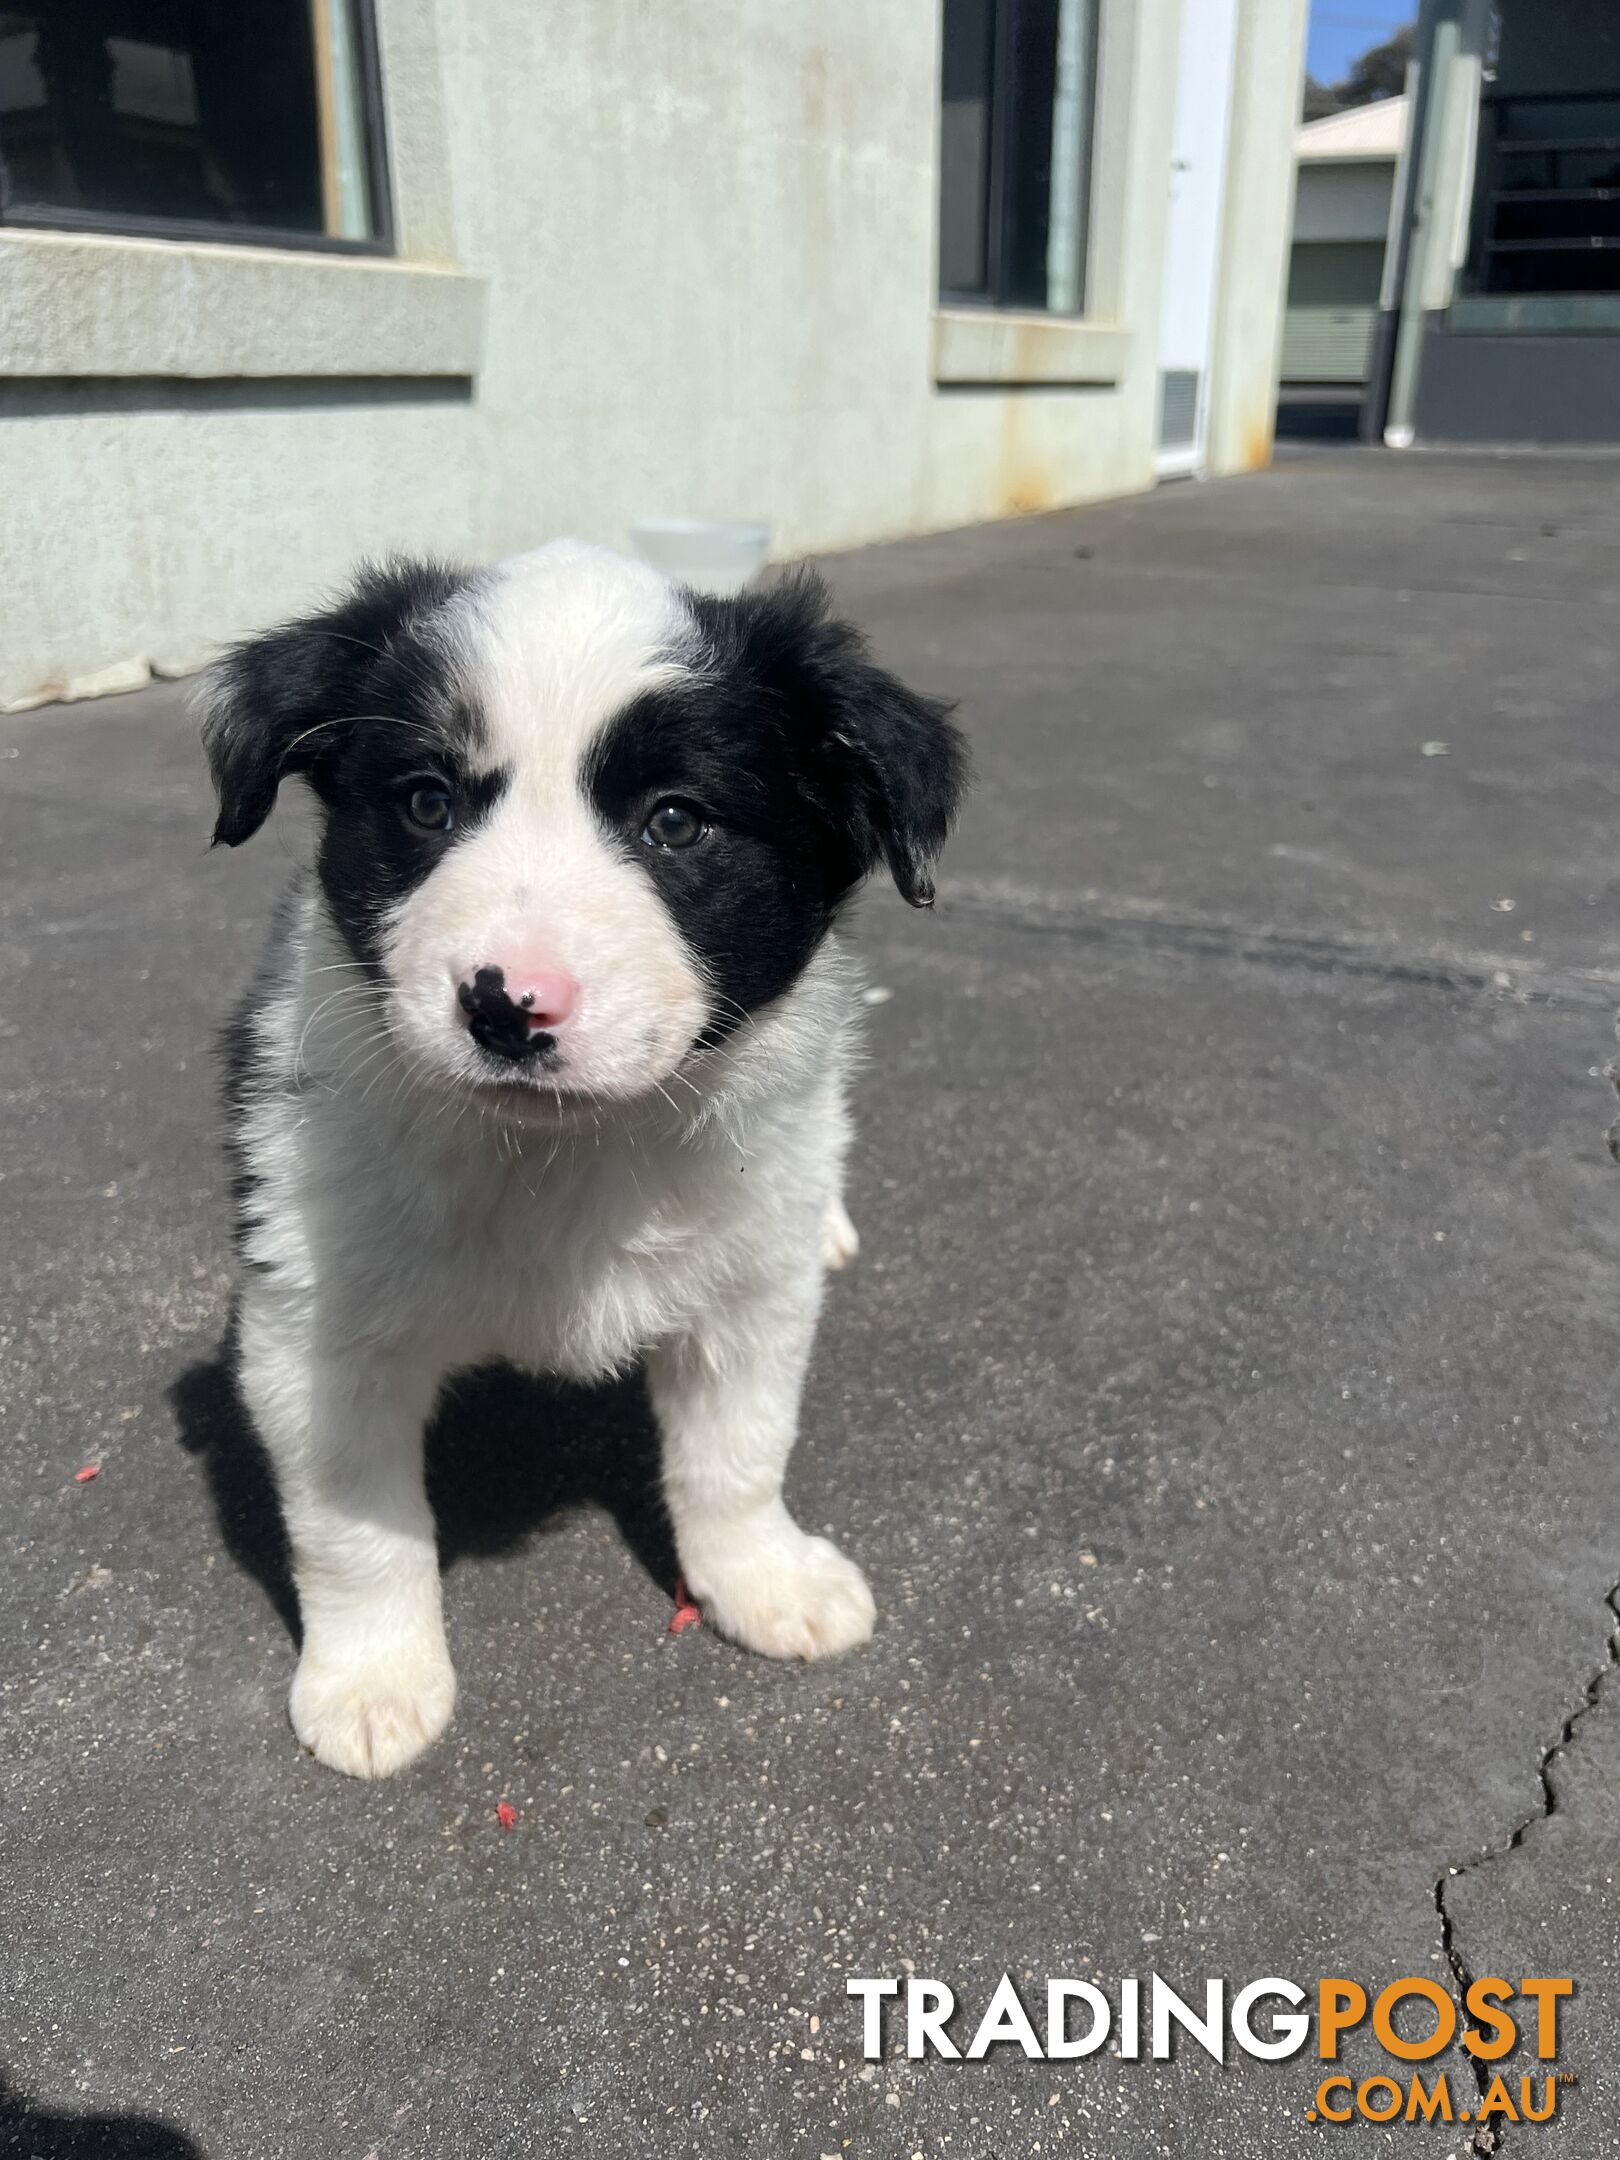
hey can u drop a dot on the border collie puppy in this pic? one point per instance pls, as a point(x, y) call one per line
point(548, 1062)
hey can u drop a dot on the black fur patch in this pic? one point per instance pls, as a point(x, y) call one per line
point(363, 702)
point(811, 764)
point(371, 854)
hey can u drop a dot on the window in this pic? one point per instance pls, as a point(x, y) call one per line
point(245, 120)
point(1015, 153)
point(1547, 195)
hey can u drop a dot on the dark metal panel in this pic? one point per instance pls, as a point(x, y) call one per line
point(1479, 388)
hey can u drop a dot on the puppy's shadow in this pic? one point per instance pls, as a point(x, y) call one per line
point(508, 1458)
point(35, 2132)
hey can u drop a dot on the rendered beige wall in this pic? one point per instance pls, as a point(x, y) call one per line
point(705, 231)
point(1255, 226)
point(711, 263)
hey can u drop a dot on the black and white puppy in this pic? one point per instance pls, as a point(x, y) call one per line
point(549, 1062)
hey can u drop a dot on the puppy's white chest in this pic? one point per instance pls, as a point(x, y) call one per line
point(581, 1277)
point(571, 1267)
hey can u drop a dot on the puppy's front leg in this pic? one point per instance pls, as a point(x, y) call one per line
point(374, 1685)
point(726, 1395)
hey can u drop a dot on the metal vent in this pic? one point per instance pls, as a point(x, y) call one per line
point(1178, 408)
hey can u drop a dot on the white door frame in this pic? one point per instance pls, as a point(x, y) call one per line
point(1192, 249)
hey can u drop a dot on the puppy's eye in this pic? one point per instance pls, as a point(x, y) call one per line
point(429, 806)
point(674, 825)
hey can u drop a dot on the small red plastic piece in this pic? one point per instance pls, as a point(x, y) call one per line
point(506, 1815)
point(90, 1470)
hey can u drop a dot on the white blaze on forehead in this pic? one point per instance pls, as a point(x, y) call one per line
point(552, 647)
point(562, 640)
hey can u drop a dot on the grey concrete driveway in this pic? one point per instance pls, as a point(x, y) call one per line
point(1222, 1405)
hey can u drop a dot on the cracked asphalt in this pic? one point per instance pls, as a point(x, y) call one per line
point(1222, 1404)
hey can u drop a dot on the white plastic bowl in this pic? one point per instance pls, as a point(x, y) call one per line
point(716, 555)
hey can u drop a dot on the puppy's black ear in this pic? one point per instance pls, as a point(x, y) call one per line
point(883, 764)
point(269, 707)
point(278, 704)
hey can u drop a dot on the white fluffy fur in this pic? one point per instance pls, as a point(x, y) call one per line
point(681, 1208)
point(554, 644)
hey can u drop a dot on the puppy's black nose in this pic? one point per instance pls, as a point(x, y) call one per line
point(506, 1026)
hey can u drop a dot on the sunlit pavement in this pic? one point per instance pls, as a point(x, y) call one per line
point(1222, 1405)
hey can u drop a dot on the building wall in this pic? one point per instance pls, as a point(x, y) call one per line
point(1343, 200)
point(1335, 267)
point(658, 257)
point(1521, 389)
point(1564, 45)
point(711, 265)
point(1486, 367)
point(1255, 221)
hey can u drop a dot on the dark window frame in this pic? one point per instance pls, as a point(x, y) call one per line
point(374, 122)
point(994, 299)
point(1484, 263)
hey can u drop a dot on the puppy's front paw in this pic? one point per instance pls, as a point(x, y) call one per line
point(786, 1595)
point(369, 1719)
